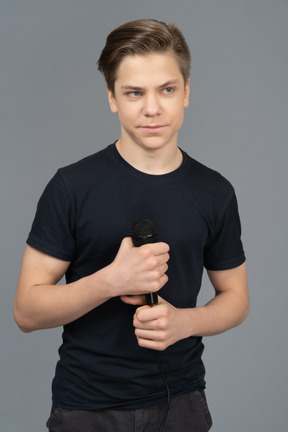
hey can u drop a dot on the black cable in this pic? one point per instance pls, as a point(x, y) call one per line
point(167, 390)
point(144, 232)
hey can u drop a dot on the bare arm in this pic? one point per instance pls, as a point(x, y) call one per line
point(163, 325)
point(41, 303)
point(230, 306)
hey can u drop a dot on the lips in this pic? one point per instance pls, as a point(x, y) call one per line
point(153, 128)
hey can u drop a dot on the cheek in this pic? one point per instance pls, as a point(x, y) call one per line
point(128, 114)
point(178, 116)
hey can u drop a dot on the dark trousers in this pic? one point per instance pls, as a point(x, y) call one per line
point(187, 413)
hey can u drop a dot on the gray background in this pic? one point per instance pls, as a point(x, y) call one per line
point(54, 111)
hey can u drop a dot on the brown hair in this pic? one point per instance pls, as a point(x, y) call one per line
point(142, 37)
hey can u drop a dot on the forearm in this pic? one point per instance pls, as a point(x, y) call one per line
point(47, 306)
point(226, 310)
point(164, 325)
point(41, 303)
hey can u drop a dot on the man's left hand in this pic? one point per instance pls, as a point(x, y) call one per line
point(159, 326)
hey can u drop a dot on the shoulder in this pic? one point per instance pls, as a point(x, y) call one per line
point(84, 168)
point(209, 189)
point(207, 181)
point(76, 179)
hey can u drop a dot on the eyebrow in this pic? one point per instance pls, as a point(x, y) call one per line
point(136, 88)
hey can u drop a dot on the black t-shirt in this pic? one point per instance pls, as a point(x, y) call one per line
point(83, 215)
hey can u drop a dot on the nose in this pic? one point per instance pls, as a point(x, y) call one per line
point(151, 105)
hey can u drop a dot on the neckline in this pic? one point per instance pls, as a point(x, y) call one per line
point(153, 178)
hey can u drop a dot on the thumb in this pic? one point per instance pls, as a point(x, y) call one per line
point(126, 243)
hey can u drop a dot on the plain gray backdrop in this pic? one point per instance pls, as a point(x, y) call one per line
point(54, 111)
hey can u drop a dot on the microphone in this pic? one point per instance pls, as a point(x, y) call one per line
point(143, 232)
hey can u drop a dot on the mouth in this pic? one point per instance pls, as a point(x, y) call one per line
point(153, 128)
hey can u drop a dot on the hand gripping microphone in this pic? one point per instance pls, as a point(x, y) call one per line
point(143, 232)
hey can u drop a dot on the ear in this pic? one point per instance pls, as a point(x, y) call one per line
point(112, 101)
point(187, 93)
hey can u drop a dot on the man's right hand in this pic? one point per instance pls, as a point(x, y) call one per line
point(139, 270)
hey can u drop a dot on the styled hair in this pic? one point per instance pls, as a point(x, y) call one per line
point(142, 37)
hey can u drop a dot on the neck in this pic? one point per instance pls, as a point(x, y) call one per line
point(152, 161)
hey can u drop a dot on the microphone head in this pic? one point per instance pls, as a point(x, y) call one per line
point(143, 232)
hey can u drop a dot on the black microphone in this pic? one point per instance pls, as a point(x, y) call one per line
point(143, 232)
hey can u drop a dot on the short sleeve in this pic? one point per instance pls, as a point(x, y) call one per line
point(224, 249)
point(52, 230)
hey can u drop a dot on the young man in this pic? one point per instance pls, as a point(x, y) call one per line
point(107, 378)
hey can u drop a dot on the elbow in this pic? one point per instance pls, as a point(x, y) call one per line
point(23, 326)
point(245, 312)
point(22, 322)
point(24, 329)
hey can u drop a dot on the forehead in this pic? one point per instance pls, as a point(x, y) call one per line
point(142, 70)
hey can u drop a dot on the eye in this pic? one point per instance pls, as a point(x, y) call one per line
point(168, 90)
point(134, 94)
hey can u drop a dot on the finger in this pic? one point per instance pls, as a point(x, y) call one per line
point(161, 248)
point(134, 300)
point(163, 268)
point(126, 243)
point(163, 280)
point(152, 344)
point(149, 335)
point(147, 314)
point(150, 324)
point(162, 258)
point(158, 248)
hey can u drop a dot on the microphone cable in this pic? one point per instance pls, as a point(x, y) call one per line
point(143, 232)
point(167, 391)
